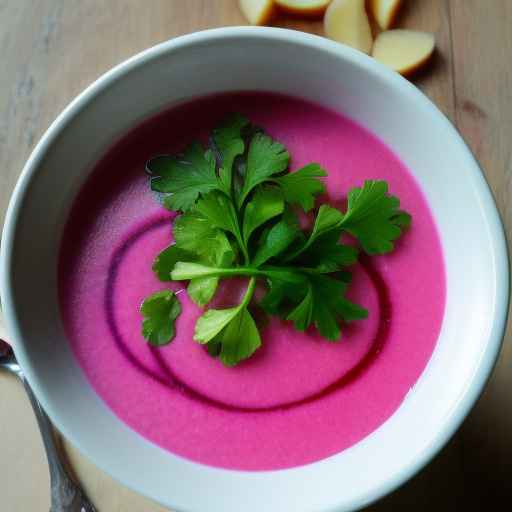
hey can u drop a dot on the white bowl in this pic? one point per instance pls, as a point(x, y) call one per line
point(344, 80)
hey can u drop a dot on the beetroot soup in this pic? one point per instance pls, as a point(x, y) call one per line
point(300, 398)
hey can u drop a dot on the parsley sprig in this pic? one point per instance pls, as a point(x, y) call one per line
point(238, 207)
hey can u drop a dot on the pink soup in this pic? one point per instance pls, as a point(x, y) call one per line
point(300, 398)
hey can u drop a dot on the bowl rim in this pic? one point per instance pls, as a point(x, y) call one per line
point(358, 59)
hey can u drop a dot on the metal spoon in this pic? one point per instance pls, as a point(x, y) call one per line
point(66, 496)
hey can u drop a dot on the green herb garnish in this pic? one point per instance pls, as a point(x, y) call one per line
point(237, 202)
point(160, 310)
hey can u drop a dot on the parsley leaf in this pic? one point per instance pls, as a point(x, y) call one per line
point(194, 233)
point(160, 310)
point(184, 177)
point(302, 315)
point(301, 186)
point(327, 219)
point(374, 218)
point(239, 339)
point(220, 213)
point(165, 261)
point(331, 306)
point(229, 142)
point(212, 322)
point(265, 158)
point(266, 203)
point(327, 254)
point(401, 219)
point(202, 289)
point(232, 328)
point(198, 241)
point(277, 239)
point(325, 305)
point(283, 290)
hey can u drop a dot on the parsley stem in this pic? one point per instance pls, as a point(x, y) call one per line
point(248, 293)
point(240, 271)
point(238, 234)
point(297, 252)
point(242, 245)
point(237, 215)
point(312, 238)
point(186, 271)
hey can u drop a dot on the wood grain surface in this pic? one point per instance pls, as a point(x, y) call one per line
point(51, 49)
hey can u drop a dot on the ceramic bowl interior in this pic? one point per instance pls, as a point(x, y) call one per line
point(342, 79)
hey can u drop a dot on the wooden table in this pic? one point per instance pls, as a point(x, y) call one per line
point(51, 49)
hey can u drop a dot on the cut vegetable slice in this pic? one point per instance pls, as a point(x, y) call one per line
point(306, 8)
point(257, 12)
point(346, 22)
point(385, 11)
point(404, 51)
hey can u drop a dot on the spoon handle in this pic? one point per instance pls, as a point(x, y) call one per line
point(64, 492)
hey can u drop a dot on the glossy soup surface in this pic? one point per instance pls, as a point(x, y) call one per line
point(300, 398)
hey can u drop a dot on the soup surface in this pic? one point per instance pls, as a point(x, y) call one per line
point(300, 398)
